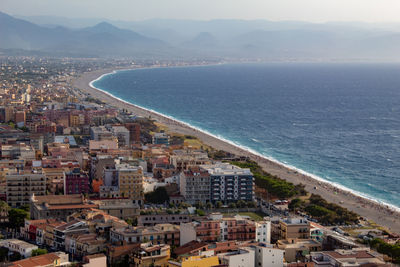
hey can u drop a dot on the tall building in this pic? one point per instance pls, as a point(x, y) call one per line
point(130, 181)
point(21, 186)
point(134, 132)
point(230, 183)
point(122, 134)
point(195, 185)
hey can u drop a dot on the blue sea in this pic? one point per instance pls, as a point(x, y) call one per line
point(340, 122)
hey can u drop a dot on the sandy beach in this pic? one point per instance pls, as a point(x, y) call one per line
point(381, 214)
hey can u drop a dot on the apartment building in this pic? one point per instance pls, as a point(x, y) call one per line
point(161, 139)
point(76, 182)
point(298, 249)
point(151, 255)
point(263, 231)
point(293, 228)
point(195, 185)
point(158, 234)
point(216, 228)
point(230, 183)
point(184, 158)
point(122, 134)
point(21, 186)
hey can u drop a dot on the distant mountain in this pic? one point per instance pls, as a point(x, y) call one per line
point(232, 39)
point(102, 39)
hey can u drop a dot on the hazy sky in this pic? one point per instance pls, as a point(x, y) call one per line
point(306, 10)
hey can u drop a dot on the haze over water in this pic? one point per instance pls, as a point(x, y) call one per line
point(340, 122)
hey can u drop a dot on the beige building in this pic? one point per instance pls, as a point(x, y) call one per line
point(183, 159)
point(130, 181)
point(298, 249)
point(294, 228)
point(151, 255)
point(21, 187)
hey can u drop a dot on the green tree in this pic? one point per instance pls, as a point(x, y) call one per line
point(209, 205)
point(16, 217)
point(232, 205)
point(219, 204)
point(200, 212)
point(158, 196)
point(3, 254)
point(39, 251)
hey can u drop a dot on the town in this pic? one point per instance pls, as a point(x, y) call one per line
point(85, 183)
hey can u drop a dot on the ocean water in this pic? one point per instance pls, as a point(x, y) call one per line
point(340, 122)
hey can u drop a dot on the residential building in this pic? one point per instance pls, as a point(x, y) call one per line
point(22, 186)
point(294, 228)
point(151, 255)
point(216, 228)
point(122, 134)
point(153, 219)
point(22, 247)
point(183, 159)
point(298, 249)
point(100, 133)
point(268, 256)
point(76, 182)
point(230, 183)
point(195, 185)
point(161, 139)
point(239, 258)
point(343, 258)
point(134, 132)
point(158, 234)
point(71, 228)
point(130, 181)
point(120, 208)
point(263, 231)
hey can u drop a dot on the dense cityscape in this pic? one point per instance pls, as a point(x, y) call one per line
point(86, 183)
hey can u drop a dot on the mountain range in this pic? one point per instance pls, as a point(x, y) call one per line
point(230, 39)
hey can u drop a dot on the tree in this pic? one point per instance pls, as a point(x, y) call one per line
point(158, 196)
point(39, 251)
point(241, 204)
point(232, 205)
point(200, 212)
point(3, 254)
point(219, 204)
point(209, 205)
point(16, 217)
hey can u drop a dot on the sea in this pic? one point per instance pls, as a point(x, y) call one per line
point(339, 122)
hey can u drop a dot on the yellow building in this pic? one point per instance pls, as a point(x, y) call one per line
point(196, 261)
point(130, 181)
point(151, 255)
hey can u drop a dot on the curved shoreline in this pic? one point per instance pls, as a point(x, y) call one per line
point(380, 212)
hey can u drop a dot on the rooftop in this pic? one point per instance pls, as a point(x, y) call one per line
point(225, 169)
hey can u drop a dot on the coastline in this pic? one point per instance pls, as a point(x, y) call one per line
point(367, 208)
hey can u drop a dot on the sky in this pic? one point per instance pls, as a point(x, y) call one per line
point(277, 10)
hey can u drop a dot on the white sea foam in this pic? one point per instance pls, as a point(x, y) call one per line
point(245, 148)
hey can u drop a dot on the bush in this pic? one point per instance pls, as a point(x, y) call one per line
point(200, 212)
point(39, 251)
